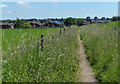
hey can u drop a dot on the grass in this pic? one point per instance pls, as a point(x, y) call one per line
point(12, 37)
point(0, 55)
point(27, 63)
point(101, 45)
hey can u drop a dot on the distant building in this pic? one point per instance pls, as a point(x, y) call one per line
point(88, 18)
point(103, 20)
point(37, 24)
point(87, 21)
point(108, 19)
point(7, 25)
point(95, 20)
point(53, 24)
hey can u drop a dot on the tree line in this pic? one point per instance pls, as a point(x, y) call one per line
point(72, 21)
point(25, 23)
point(116, 18)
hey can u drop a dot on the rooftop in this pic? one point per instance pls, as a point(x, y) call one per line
point(6, 24)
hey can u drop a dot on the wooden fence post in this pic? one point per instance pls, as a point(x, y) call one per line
point(41, 42)
point(38, 47)
point(64, 29)
point(52, 37)
point(60, 31)
point(67, 28)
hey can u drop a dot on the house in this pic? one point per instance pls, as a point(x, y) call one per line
point(88, 18)
point(37, 24)
point(102, 20)
point(95, 20)
point(53, 24)
point(86, 22)
point(7, 25)
point(108, 19)
point(59, 23)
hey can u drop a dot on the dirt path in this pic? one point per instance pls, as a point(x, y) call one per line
point(86, 74)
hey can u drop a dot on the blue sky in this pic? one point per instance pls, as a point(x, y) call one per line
point(12, 10)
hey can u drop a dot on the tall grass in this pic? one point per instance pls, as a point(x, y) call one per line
point(101, 44)
point(12, 37)
point(0, 55)
point(56, 63)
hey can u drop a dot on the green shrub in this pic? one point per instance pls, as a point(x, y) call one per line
point(27, 25)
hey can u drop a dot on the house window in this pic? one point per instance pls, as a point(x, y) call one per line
point(34, 25)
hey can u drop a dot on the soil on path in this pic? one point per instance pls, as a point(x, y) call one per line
point(85, 74)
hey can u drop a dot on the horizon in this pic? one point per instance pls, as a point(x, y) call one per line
point(59, 18)
point(44, 10)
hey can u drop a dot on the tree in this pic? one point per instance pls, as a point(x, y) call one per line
point(19, 23)
point(116, 18)
point(27, 25)
point(56, 19)
point(69, 21)
point(80, 22)
point(41, 21)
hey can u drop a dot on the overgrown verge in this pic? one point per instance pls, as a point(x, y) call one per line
point(101, 45)
point(56, 62)
point(0, 55)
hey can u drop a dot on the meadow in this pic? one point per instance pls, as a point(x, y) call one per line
point(13, 37)
point(0, 55)
point(101, 45)
point(25, 61)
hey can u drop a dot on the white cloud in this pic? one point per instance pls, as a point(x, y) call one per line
point(9, 12)
point(25, 4)
point(3, 6)
point(55, 3)
point(21, 3)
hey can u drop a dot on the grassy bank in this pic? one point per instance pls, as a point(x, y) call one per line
point(56, 63)
point(101, 45)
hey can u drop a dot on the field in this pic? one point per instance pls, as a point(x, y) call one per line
point(0, 55)
point(101, 45)
point(24, 60)
point(12, 38)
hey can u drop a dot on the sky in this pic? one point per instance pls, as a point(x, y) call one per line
point(41, 10)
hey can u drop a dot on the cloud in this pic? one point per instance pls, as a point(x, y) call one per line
point(21, 3)
point(3, 6)
point(9, 12)
point(55, 2)
point(25, 4)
